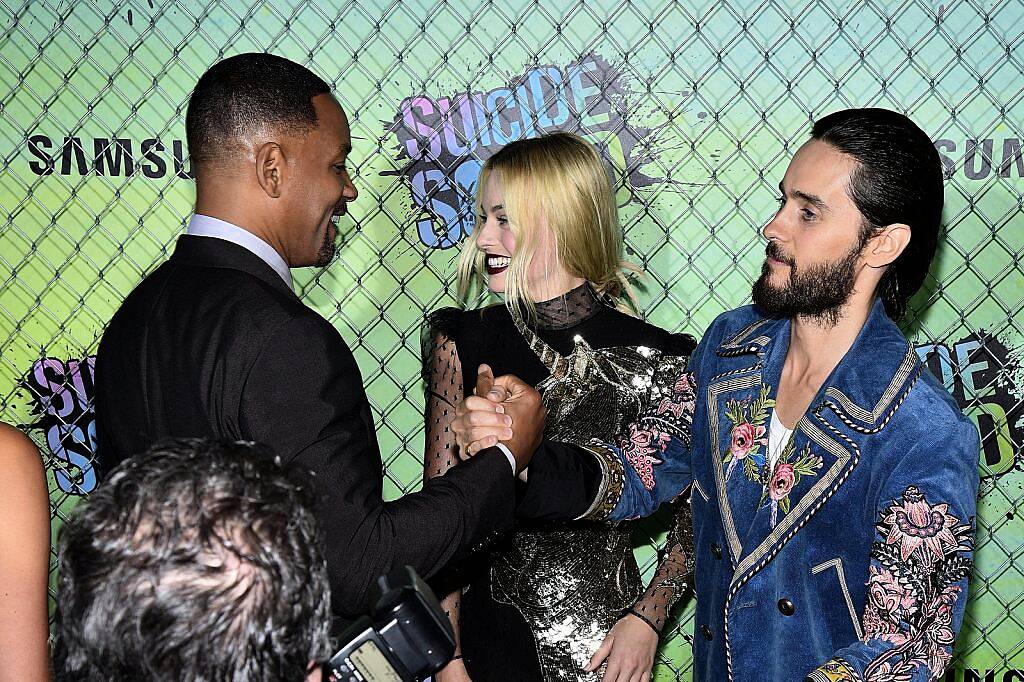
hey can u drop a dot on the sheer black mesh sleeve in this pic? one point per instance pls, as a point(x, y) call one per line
point(443, 387)
point(673, 576)
point(442, 377)
point(670, 410)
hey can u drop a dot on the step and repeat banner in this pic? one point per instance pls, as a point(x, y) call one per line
point(696, 107)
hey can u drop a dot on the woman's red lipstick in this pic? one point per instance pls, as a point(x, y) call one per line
point(496, 263)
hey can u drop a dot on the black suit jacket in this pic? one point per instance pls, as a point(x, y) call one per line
point(213, 343)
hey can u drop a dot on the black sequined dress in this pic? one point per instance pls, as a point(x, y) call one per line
point(539, 604)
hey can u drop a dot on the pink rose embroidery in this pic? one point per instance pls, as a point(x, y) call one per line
point(782, 481)
point(748, 433)
point(744, 437)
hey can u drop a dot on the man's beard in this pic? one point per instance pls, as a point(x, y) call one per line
point(818, 292)
point(326, 252)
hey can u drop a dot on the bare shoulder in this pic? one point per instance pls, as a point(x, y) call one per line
point(19, 456)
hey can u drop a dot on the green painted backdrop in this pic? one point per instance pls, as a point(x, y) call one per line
point(696, 106)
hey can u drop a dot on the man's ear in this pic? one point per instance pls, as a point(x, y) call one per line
point(887, 245)
point(270, 168)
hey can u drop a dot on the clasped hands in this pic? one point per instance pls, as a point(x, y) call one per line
point(504, 410)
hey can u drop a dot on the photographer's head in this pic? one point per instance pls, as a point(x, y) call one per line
point(861, 206)
point(197, 560)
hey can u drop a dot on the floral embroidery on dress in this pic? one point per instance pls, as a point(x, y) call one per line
point(652, 433)
point(748, 433)
point(913, 586)
point(683, 398)
point(786, 475)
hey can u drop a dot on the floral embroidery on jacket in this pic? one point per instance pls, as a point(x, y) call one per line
point(640, 448)
point(912, 586)
point(748, 433)
point(746, 439)
point(785, 476)
point(653, 432)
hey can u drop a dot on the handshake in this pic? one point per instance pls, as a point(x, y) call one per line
point(504, 411)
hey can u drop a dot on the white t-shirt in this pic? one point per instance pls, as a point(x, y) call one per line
point(778, 436)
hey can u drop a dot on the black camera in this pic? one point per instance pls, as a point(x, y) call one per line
point(406, 638)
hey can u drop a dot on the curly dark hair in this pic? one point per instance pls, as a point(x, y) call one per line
point(198, 560)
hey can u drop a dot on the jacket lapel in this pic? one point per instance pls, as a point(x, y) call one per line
point(737, 409)
point(763, 508)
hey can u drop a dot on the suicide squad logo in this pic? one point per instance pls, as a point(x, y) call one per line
point(62, 393)
point(985, 378)
point(445, 140)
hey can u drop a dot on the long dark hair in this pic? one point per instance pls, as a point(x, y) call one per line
point(898, 179)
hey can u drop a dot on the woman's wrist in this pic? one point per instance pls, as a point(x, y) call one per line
point(633, 612)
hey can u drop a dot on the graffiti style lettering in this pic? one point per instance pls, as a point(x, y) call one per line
point(975, 371)
point(63, 392)
point(446, 139)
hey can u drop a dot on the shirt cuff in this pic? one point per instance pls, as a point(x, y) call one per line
point(508, 454)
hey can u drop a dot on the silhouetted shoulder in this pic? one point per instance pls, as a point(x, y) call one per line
point(623, 329)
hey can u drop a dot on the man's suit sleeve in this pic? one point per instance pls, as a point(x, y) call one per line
point(304, 397)
point(563, 482)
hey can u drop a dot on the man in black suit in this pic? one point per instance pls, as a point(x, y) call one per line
point(216, 343)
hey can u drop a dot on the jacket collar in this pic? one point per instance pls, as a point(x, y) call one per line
point(866, 386)
point(212, 252)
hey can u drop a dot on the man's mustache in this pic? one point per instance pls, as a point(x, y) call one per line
point(772, 251)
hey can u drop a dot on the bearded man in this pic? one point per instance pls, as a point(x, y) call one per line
point(833, 479)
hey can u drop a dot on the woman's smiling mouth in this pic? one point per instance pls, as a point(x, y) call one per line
point(496, 264)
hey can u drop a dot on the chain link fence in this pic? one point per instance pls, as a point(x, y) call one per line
point(696, 106)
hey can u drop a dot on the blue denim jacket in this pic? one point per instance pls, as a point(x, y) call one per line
point(848, 560)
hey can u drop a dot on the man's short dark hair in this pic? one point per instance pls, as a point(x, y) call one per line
point(246, 92)
point(897, 179)
point(197, 560)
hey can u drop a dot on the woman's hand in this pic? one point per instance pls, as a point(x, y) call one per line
point(629, 648)
point(455, 671)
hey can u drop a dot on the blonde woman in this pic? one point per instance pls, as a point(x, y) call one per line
point(24, 560)
point(554, 596)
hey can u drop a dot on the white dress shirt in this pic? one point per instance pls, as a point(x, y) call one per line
point(205, 226)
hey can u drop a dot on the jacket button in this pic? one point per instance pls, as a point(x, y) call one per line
point(716, 550)
point(786, 607)
point(705, 632)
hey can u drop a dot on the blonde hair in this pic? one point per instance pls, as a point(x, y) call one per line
point(559, 177)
